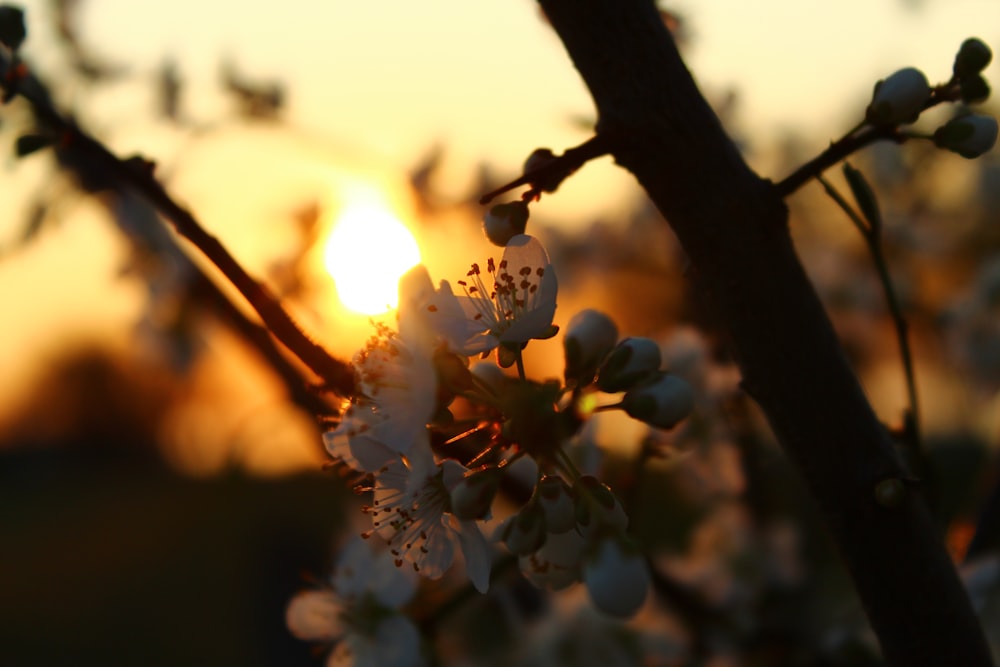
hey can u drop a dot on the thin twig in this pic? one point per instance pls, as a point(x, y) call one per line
point(554, 172)
point(874, 243)
point(837, 151)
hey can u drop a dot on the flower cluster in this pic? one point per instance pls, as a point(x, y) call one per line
point(438, 436)
point(358, 611)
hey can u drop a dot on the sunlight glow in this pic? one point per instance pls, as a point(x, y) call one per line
point(367, 252)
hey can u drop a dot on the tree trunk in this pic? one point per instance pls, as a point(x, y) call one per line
point(734, 227)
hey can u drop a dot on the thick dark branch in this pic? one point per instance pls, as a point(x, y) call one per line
point(733, 226)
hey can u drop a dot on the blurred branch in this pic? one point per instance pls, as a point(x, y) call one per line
point(733, 226)
point(97, 168)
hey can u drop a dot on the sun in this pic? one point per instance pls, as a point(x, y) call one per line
point(367, 252)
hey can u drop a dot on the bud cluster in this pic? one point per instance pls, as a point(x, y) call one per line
point(595, 356)
point(900, 98)
point(566, 534)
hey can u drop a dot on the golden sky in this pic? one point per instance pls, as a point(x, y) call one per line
point(377, 83)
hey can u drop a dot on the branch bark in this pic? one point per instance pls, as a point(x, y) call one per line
point(733, 226)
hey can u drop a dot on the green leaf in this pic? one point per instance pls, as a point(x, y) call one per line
point(865, 197)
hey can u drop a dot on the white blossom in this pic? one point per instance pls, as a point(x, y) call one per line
point(398, 388)
point(358, 612)
point(511, 302)
point(411, 511)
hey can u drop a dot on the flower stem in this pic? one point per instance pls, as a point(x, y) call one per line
point(858, 137)
point(874, 243)
point(568, 466)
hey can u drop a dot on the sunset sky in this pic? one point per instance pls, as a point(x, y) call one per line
point(373, 86)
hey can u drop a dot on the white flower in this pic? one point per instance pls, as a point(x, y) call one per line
point(359, 612)
point(899, 98)
point(411, 511)
point(514, 302)
point(399, 392)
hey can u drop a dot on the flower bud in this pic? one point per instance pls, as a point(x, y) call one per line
point(598, 508)
point(899, 99)
point(631, 361)
point(505, 221)
point(973, 57)
point(974, 89)
point(589, 337)
point(617, 578)
point(556, 500)
point(472, 497)
point(970, 136)
point(661, 403)
point(539, 159)
point(524, 532)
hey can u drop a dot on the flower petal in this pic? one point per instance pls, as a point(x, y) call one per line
point(476, 552)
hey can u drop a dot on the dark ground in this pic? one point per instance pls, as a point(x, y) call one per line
point(112, 562)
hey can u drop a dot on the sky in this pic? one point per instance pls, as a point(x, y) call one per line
point(374, 85)
point(490, 79)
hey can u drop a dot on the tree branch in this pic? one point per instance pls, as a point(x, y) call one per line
point(733, 226)
point(97, 168)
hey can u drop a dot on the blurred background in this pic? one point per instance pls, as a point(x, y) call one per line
point(162, 491)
